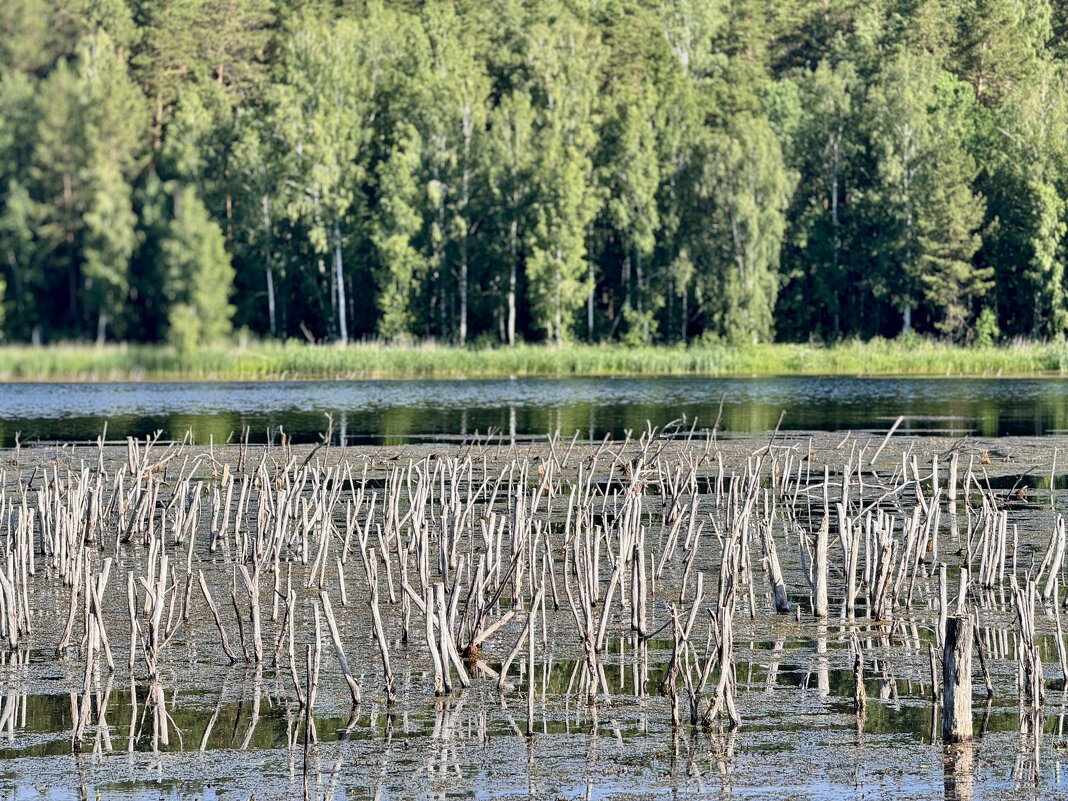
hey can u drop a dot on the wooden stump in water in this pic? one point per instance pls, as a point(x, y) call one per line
point(860, 695)
point(771, 560)
point(957, 680)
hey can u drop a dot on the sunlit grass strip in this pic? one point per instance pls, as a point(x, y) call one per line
point(269, 360)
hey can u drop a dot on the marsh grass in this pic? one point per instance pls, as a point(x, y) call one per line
point(294, 360)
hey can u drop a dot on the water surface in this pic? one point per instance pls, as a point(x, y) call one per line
point(398, 411)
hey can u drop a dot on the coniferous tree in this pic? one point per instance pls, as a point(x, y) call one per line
point(817, 255)
point(919, 125)
point(1025, 158)
point(89, 123)
point(197, 275)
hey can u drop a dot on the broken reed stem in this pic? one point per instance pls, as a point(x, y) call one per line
point(526, 633)
point(778, 584)
point(530, 670)
point(426, 527)
point(886, 439)
point(934, 673)
point(310, 694)
point(339, 650)
point(1062, 652)
point(980, 647)
point(215, 616)
point(380, 635)
point(820, 605)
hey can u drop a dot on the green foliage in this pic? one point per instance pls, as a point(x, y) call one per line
point(912, 355)
point(510, 164)
point(563, 58)
point(89, 119)
point(18, 220)
point(197, 275)
point(396, 224)
point(986, 329)
point(749, 188)
point(630, 170)
point(999, 43)
point(920, 127)
point(109, 241)
point(1026, 153)
point(819, 295)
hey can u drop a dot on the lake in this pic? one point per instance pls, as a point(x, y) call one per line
point(399, 411)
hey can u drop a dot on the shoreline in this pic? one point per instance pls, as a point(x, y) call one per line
point(296, 361)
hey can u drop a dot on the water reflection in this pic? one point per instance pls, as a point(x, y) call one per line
point(455, 742)
point(958, 765)
point(403, 411)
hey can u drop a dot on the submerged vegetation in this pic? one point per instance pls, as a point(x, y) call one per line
point(295, 360)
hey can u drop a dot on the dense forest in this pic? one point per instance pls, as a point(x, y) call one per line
point(498, 170)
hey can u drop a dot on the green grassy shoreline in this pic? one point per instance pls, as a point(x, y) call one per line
point(297, 360)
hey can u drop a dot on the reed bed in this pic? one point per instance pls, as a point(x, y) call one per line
point(295, 360)
point(475, 566)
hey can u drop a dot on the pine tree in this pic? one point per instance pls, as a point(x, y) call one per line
point(999, 44)
point(239, 32)
point(26, 44)
point(18, 251)
point(168, 54)
point(89, 123)
point(1025, 158)
point(817, 252)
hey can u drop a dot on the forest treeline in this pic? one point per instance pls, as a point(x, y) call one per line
point(498, 170)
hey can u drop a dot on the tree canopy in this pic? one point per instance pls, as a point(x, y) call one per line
point(621, 170)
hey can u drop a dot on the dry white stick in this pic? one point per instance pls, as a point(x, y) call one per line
point(354, 686)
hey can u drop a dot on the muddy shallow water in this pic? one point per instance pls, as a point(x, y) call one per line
point(238, 731)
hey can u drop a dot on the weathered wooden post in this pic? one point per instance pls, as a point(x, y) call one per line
point(957, 680)
point(820, 604)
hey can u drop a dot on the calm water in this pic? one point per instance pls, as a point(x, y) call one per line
point(404, 411)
